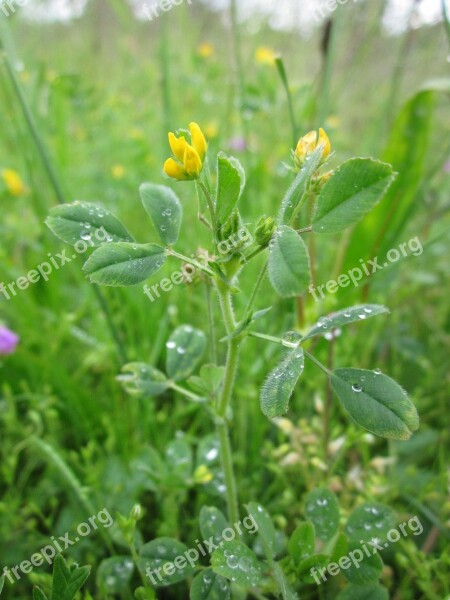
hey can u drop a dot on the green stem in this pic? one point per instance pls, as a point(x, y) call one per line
point(210, 202)
point(282, 72)
point(190, 261)
point(317, 363)
point(224, 403)
point(185, 392)
point(258, 284)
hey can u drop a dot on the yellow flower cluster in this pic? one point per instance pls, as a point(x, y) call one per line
point(188, 158)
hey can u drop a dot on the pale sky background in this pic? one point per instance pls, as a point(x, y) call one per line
point(282, 14)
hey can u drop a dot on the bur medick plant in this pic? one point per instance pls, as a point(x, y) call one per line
point(333, 201)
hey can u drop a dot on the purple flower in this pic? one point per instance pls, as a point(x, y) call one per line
point(237, 144)
point(8, 340)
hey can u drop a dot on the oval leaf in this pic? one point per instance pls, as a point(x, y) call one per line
point(302, 541)
point(207, 585)
point(345, 317)
point(88, 222)
point(266, 528)
point(157, 561)
point(212, 524)
point(371, 520)
point(235, 561)
point(289, 270)
point(185, 349)
point(362, 569)
point(280, 383)
point(114, 575)
point(164, 208)
point(230, 185)
point(140, 379)
point(354, 189)
point(322, 509)
point(376, 402)
point(124, 264)
point(179, 458)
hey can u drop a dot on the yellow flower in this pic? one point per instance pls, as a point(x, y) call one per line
point(13, 182)
point(205, 50)
point(211, 130)
point(265, 56)
point(189, 158)
point(308, 143)
point(202, 474)
point(118, 171)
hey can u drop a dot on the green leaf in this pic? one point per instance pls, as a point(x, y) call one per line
point(123, 263)
point(266, 529)
point(368, 521)
point(158, 557)
point(67, 582)
point(179, 457)
point(280, 383)
point(164, 208)
point(363, 569)
point(114, 575)
point(317, 561)
point(185, 349)
point(230, 185)
point(354, 189)
point(289, 270)
point(140, 379)
point(302, 541)
point(322, 509)
point(345, 317)
point(376, 402)
point(212, 523)
point(235, 561)
point(299, 187)
point(210, 380)
point(284, 586)
point(363, 592)
point(38, 594)
point(2, 583)
point(207, 585)
point(88, 222)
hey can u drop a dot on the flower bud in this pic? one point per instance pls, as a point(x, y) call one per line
point(265, 229)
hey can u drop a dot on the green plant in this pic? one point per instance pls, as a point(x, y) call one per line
point(331, 202)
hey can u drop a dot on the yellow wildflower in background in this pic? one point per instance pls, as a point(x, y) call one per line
point(206, 50)
point(202, 474)
point(118, 171)
point(188, 158)
point(212, 130)
point(265, 56)
point(13, 182)
point(308, 143)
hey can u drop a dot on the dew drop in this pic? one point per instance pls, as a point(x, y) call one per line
point(356, 387)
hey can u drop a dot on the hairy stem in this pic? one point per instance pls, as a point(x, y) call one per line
point(222, 424)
